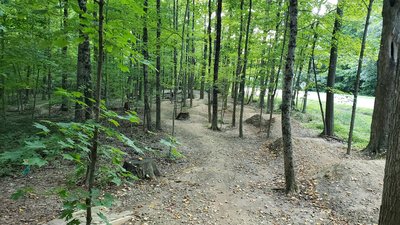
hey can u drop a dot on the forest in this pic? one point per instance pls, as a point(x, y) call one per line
point(199, 112)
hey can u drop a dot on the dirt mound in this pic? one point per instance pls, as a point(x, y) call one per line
point(353, 189)
point(255, 121)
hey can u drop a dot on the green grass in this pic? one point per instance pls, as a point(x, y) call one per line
point(362, 126)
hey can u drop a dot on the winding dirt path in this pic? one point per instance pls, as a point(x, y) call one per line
point(224, 180)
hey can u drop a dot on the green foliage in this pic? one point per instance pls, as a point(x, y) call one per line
point(21, 193)
point(173, 144)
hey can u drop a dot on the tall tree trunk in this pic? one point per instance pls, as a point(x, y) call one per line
point(310, 64)
point(275, 50)
point(209, 58)
point(204, 62)
point(264, 77)
point(290, 178)
point(193, 59)
point(64, 50)
point(49, 88)
point(93, 149)
point(329, 117)
point(175, 81)
point(378, 142)
point(83, 69)
point(147, 113)
point(243, 77)
point(214, 122)
point(238, 64)
point(158, 67)
point(388, 69)
point(182, 73)
point(357, 83)
point(35, 93)
point(3, 78)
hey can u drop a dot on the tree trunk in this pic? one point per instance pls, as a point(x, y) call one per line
point(158, 68)
point(64, 50)
point(175, 81)
point(49, 88)
point(243, 77)
point(310, 64)
point(204, 62)
point(329, 117)
point(238, 65)
point(182, 74)
point(388, 71)
point(147, 113)
point(83, 69)
point(175, 58)
point(274, 54)
point(357, 83)
point(35, 93)
point(93, 149)
point(193, 59)
point(290, 178)
point(378, 143)
point(209, 58)
point(214, 121)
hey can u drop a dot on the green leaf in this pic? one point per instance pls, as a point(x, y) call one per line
point(123, 68)
point(41, 127)
point(116, 180)
point(114, 122)
point(68, 157)
point(35, 161)
point(74, 222)
point(167, 143)
point(34, 145)
point(61, 42)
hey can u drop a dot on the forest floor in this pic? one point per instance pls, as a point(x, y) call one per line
point(224, 179)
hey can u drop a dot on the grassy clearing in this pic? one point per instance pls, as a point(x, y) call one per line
point(362, 128)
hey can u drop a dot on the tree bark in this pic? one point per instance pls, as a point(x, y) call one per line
point(243, 76)
point(175, 81)
point(329, 117)
point(214, 122)
point(93, 149)
point(204, 62)
point(388, 70)
point(209, 58)
point(145, 52)
point(64, 50)
point(193, 59)
point(238, 65)
point(286, 102)
point(378, 142)
point(274, 54)
point(357, 83)
point(83, 70)
point(158, 67)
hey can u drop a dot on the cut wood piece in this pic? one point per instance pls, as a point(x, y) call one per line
point(144, 169)
point(183, 116)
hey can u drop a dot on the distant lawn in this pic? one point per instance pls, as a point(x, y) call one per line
point(312, 119)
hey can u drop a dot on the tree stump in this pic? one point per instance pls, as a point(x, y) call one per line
point(183, 116)
point(144, 169)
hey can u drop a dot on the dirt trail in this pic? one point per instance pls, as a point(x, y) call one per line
point(229, 180)
point(225, 180)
